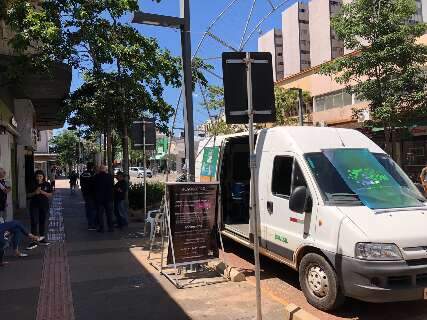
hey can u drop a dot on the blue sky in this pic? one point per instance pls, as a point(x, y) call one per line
point(229, 28)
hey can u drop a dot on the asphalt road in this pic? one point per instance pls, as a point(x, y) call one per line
point(281, 282)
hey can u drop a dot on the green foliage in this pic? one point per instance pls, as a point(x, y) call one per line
point(287, 105)
point(214, 98)
point(155, 193)
point(387, 67)
point(65, 145)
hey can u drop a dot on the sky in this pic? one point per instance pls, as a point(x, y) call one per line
point(229, 28)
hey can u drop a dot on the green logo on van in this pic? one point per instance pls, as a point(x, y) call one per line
point(280, 238)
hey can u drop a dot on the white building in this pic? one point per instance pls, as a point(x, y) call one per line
point(296, 38)
point(324, 44)
point(272, 42)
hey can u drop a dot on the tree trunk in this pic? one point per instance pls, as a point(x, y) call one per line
point(109, 149)
point(125, 145)
point(387, 140)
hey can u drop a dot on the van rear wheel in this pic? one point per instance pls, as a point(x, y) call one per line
point(320, 283)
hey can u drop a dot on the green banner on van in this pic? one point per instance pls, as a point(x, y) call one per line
point(209, 163)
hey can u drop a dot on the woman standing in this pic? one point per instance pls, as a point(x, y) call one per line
point(39, 207)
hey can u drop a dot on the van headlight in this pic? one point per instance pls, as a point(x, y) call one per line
point(377, 251)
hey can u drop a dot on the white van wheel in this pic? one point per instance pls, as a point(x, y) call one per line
point(319, 282)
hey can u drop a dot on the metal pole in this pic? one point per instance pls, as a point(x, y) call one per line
point(145, 172)
point(188, 90)
point(300, 106)
point(252, 165)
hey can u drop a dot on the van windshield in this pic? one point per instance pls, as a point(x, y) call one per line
point(359, 177)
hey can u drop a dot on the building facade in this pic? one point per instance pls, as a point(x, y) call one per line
point(333, 106)
point(324, 45)
point(272, 42)
point(296, 38)
point(27, 106)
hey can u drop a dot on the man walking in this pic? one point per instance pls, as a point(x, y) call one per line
point(120, 210)
point(104, 198)
point(4, 190)
point(88, 190)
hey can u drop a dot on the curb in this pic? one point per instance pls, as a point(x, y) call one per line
point(293, 312)
point(229, 272)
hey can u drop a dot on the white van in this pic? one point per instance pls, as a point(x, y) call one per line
point(331, 205)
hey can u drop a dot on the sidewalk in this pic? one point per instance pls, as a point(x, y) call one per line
point(106, 276)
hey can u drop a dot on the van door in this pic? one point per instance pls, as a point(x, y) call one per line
point(285, 229)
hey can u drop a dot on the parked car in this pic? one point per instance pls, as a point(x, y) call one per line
point(139, 172)
point(118, 169)
point(331, 205)
point(149, 172)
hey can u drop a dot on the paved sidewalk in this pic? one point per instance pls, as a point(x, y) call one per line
point(106, 276)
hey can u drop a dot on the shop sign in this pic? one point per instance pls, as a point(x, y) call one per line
point(418, 131)
point(193, 222)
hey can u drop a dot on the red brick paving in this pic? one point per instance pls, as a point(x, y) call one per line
point(55, 296)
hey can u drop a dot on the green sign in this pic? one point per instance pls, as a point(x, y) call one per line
point(209, 161)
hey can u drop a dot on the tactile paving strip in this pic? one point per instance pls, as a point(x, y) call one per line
point(55, 296)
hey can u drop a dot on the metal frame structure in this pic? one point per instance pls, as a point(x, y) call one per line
point(177, 267)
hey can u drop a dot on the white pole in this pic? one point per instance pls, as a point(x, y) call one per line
point(252, 164)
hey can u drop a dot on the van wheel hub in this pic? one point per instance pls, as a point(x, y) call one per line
point(317, 281)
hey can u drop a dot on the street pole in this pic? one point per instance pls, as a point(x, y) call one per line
point(145, 173)
point(252, 165)
point(300, 107)
point(188, 89)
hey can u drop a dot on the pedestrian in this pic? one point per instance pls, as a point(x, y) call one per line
point(12, 232)
point(104, 198)
point(52, 178)
point(4, 190)
point(73, 181)
point(120, 210)
point(39, 196)
point(88, 190)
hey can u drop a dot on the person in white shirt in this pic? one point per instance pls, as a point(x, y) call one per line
point(4, 190)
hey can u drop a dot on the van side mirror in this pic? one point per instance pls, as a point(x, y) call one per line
point(300, 200)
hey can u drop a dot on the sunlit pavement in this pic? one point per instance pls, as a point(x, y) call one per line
point(281, 282)
point(106, 276)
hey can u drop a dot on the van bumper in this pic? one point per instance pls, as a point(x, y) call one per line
point(382, 281)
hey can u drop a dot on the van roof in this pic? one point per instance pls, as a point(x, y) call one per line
point(305, 139)
point(314, 139)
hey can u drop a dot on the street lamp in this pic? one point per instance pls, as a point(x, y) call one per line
point(300, 105)
point(182, 23)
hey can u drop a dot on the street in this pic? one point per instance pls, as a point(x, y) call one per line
point(281, 282)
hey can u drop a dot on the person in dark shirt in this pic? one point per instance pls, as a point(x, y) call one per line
point(104, 198)
point(4, 190)
point(39, 207)
point(73, 181)
point(12, 232)
point(87, 181)
point(120, 210)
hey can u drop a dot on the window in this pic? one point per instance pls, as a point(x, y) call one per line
point(280, 54)
point(282, 176)
point(298, 178)
point(302, 10)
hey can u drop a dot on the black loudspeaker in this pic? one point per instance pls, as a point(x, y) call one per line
point(235, 87)
point(140, 128)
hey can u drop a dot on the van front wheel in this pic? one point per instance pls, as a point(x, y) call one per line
point(320, 283)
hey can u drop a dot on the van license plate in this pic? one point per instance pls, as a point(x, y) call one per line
point(425, 293)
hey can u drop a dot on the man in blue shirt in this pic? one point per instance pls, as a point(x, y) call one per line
point(13, 231)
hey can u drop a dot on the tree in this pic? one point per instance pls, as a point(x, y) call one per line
point(386, 67)
point(66, 145)
point(287, 105)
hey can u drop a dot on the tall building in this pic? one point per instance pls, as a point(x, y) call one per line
point(324, 44)
point(296, 38)
point(272, 42)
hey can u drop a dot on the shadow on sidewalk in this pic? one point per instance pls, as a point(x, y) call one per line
point(107, 280)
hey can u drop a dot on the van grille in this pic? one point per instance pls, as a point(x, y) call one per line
point(417, 262)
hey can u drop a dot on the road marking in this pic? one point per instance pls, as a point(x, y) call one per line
point(55, 296)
